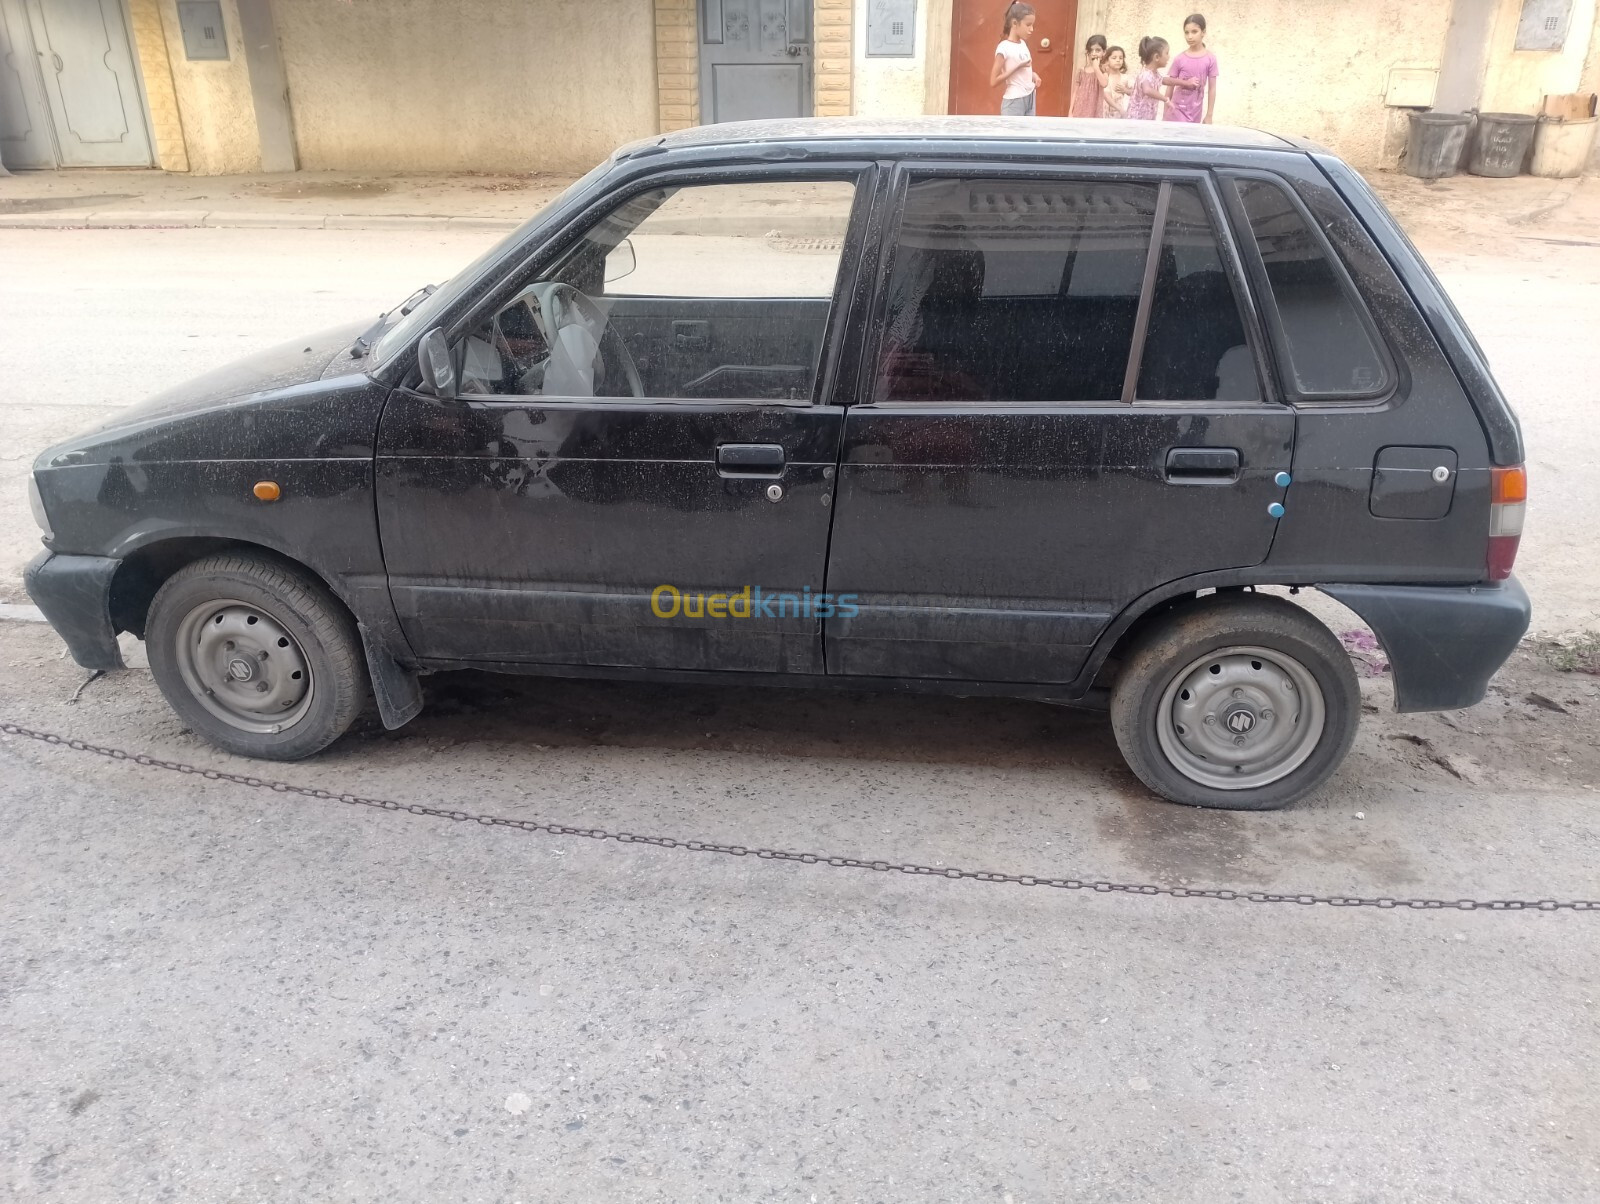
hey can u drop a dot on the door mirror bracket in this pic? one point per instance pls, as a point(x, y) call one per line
point(437, 367)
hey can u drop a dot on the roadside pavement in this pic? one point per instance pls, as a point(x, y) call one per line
point(290, 201)
point(1465, 213)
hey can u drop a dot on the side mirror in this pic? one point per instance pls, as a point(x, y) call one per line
point(438, 369)
point(621, 262)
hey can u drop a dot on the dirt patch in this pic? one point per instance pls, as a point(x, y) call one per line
point(1579, 653)
point(1535, 729)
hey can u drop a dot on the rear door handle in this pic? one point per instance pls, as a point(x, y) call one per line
point(750, 460)
point(1202, 465)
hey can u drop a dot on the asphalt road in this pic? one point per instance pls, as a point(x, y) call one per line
point(210, 992)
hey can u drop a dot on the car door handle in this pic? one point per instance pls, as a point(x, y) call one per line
point(691, 335)
point(1202, 465)
point(750, 460)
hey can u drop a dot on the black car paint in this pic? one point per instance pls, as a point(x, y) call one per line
point(181, 467)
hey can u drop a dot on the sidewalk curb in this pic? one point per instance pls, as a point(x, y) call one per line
point(146, 219)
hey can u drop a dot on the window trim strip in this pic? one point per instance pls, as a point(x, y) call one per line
point(1147, 288)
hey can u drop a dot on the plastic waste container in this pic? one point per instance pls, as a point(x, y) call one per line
point(1501, 144)
point(1561, 148)
point(1434, 148)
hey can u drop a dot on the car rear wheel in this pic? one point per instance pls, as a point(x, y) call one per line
point(1236, 701)
point(256, 656)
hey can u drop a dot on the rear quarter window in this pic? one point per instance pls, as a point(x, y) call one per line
point(1327, 344)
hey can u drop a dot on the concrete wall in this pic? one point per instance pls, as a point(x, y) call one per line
point(467, 85)
point(1589, 81)
point(936, 84)
point(1518, 80)
point(219, 118)
point(895, 87)
point(1311, 68)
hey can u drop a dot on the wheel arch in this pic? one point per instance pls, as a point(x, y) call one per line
point(150, 564)
point(146, 568)
point(1120, 634)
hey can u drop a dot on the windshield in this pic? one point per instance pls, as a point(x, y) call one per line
point(442, 298)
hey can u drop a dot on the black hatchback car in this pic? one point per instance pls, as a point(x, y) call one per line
point(1023, 407)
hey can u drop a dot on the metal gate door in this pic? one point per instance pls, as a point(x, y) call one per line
point(25, 138)
point(755, 59)
point(82, 78)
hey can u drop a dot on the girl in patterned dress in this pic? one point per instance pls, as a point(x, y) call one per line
point(1088, 85)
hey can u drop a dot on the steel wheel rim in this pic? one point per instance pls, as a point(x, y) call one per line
point(1240, 718)
point(244, 667)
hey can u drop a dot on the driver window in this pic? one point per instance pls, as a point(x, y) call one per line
point(715, 291)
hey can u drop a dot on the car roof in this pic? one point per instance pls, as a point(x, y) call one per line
point(978, 130)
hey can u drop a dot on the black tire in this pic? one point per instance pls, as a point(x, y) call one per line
point(1228, 626)
point(313, 636)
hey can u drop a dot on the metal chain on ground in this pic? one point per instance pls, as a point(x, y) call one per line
point(854, 863)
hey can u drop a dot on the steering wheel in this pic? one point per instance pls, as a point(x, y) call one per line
point(578, 336)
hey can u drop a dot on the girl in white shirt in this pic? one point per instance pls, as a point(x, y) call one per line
point(1013, 64)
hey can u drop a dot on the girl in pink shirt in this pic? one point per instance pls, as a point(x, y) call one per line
point(1199, 66)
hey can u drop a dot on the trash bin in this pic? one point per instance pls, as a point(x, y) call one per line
point(1501, 145)
point(1561, 148)
point(1434, 147)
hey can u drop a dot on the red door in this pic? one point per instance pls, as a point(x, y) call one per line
point(974, 33)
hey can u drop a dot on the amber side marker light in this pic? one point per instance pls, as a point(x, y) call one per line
point(267, 491)
point(1508, 499)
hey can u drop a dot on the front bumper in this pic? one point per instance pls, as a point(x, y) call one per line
point(1444, 642)
point(74, 592)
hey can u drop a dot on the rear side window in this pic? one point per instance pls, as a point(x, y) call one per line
point(1194, 348)
point(1326, 338)
point(1015, 290)
point(1032, 290)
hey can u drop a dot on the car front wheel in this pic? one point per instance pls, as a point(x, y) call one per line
point(1236, 701)
point(256, 656)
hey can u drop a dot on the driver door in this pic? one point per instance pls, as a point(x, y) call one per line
point(638, 466)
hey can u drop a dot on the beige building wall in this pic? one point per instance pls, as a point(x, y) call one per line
point(1517, 81)
point(468, 85)
point(1310, 68)
point(218, 115)
point(892, 87)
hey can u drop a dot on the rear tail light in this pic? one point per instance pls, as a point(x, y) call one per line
point(1508, 498)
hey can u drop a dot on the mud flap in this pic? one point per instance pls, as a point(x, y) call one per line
point(396, 688)
point(1444, 643)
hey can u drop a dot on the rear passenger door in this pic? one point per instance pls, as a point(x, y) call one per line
point(1065, 410)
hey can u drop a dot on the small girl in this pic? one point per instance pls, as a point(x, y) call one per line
point(1199, 66)
point(1089, 84)
point(1145, 103)
point(1013, 64)
point(1118, 86)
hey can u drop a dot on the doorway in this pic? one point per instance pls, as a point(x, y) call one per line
point(755, 59)
point(69, 94)
point(975, 32)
